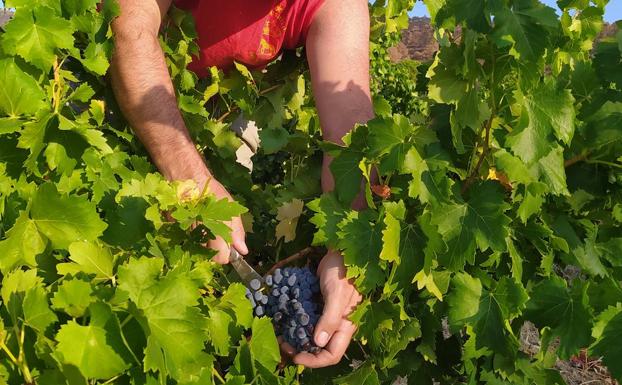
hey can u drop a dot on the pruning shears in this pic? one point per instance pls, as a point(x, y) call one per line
point(244, 270)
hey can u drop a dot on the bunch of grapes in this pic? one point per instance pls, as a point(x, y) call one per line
point(289, 297)
point(268, 169)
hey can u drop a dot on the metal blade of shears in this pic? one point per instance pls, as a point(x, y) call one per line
point(244, 270)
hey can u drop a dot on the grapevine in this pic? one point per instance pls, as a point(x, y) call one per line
point(492, 179)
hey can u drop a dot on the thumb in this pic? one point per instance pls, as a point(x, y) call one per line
point(238, 236)
point(329, 321)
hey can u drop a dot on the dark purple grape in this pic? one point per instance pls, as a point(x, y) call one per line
point(301, 333)
point(255, 284)
point(277, 278)
point(303, 319)
point(289, 300)
point(291, 280)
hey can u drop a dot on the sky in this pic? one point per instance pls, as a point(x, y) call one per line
point(613, 11)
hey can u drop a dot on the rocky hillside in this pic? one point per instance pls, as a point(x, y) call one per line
point(418, 40)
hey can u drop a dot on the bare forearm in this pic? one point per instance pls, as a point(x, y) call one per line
point(338, 54)
point(144, 90)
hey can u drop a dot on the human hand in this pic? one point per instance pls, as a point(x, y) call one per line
point(334, 330)
point(237, 229)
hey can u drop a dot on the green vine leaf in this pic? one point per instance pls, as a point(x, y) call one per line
point(36, 35)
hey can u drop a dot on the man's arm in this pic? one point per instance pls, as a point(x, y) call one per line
point(338, 55)
point(144, 90)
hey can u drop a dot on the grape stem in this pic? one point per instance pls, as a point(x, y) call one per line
point(291, 258)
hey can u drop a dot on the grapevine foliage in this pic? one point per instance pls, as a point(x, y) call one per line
point(499, 174)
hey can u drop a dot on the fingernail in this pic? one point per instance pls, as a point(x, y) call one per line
point(322, 338)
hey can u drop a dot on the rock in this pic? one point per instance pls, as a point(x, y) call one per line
point(418, 41)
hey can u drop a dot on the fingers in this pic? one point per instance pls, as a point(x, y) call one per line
point(238, 241)
point(333, 352)
point(222, 250)
point(237, 229)
point(337, 293)
point(238, 236)
point(286, 349)
point(331, 318)
point(287, 352)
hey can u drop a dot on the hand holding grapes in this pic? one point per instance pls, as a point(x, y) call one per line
point(333, 331)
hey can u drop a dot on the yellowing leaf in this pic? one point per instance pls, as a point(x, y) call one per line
point(390, 239)
point(288, 215)
point(427, 280)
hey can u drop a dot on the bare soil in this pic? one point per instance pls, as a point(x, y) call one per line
point(579, 370)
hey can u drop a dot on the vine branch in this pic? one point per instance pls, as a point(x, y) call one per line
point(485, 149)
point(576, 159)
point(236, 108)
point(294, 257)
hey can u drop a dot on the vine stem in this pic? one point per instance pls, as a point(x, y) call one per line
point(605, 163)
point(583, 157)
point(291, 258)
point(126, 320)
point(112, 379)
point(236, 108)
point(485, 149)
point(217, 374)
point(8, 353)
point(486, 146)
point(21, 359)
point(576, 159)
point(57, 89)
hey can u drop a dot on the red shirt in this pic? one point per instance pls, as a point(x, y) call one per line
point(251, 32)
